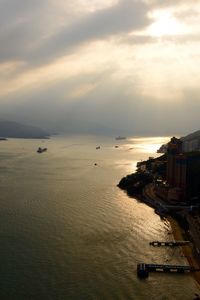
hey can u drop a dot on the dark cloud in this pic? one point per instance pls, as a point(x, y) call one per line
point(12, 11)
point(22, 42)
point(22, 25)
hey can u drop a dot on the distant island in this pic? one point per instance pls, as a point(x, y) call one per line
point(9, 129)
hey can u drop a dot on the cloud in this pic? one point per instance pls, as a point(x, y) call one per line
point(67, 63)
point(108, 103)
point(136, 39)
point(170, 3)
point(22, 43)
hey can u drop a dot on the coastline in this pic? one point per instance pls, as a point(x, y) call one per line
point(178, 232)
point(188, 252)
point(148, 197)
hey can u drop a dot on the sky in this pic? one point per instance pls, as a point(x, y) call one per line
point(102, 66)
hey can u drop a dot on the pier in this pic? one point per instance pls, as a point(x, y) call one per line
point(169, 243)
point(144, 269)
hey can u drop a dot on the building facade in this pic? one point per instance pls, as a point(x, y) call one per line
point(183, 172)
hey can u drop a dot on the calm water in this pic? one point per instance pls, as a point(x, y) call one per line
point(67, 231)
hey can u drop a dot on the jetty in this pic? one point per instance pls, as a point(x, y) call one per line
point(169, 243)
point(143, 269)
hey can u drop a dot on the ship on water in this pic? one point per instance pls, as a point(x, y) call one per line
point(41, 150)
point(120, 137)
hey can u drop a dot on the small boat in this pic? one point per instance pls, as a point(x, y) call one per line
point(41, 150)
point(120, 137)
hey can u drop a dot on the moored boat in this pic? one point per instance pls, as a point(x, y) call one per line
point(41, 150)
point(120, 137)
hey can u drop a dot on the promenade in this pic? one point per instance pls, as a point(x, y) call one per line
point(149, 193)
point(160, 206)
point(191, 250)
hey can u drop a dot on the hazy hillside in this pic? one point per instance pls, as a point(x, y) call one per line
point(191, 142)
point(17, 130)
point(191, 136)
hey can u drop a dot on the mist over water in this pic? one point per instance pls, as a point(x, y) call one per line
point(68, 232)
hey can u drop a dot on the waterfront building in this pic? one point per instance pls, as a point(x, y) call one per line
point(174, 148)
point(183, 172)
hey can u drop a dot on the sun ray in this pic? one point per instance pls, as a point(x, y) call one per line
point(165, 25)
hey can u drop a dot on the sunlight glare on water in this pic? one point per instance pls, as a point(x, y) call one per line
point(68, 232)
point(149, 144)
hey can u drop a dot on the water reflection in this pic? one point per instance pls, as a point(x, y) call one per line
point(149, 144)
point(75, 235)
point(137, 149)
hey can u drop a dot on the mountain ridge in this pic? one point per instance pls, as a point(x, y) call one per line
point(191, 142)
point(11, 129)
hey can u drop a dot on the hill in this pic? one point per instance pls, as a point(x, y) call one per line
point(10, 129)
point(191, 142)
point(191, 136)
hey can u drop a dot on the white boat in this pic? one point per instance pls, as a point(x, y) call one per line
point(120, 137)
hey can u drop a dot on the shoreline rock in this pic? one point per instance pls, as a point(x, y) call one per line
point(134, 183)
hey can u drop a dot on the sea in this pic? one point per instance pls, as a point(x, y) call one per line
point(68, 232)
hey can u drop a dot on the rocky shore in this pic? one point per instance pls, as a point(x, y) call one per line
point(134, 183)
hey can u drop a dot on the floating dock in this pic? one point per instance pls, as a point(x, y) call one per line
point(169, 243)
point(144, 269)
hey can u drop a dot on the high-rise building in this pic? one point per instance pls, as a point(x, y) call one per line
point(174, 148)
point(183, 172)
